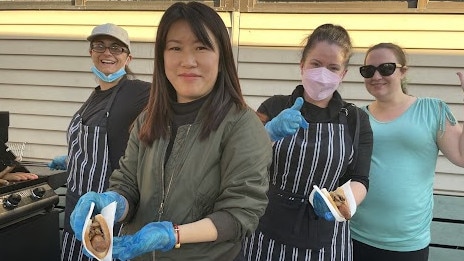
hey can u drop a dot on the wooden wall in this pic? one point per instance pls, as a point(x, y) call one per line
point(45, 67)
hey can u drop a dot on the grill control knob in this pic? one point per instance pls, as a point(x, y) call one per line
point(12, 201)
point(38, 193)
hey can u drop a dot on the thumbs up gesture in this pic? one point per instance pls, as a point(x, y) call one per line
point(287, 122)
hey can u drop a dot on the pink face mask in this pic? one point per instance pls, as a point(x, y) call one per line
point(319, 83)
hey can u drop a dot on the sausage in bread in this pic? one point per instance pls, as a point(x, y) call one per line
point(97, 236)
point(338, 200)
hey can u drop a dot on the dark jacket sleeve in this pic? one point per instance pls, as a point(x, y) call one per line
point(364, 147)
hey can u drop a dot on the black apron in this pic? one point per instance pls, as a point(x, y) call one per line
point(89, 169)
point(317, 156)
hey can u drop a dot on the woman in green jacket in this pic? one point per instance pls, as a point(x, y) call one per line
point(195, 172)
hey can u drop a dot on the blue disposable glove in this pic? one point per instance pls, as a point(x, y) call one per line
point(153, 236)
point(320, 207)
point(287, 122)
point(323, 204)
point(58, 163)
point(101, 200)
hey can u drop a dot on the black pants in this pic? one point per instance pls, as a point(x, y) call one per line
point(363, 252)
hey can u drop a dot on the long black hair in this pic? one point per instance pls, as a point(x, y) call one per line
point(203, 21)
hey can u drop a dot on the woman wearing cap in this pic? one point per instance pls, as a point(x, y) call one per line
point(98, 132)
point(194, 177)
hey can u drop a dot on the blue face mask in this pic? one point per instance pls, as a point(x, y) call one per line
point(108, 78)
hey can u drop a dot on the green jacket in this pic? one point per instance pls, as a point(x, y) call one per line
point(227, 173)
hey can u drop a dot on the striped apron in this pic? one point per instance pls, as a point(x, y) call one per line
point(88, 169)
point(289, 229)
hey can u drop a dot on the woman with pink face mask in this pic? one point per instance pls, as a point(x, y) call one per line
point(320, 141)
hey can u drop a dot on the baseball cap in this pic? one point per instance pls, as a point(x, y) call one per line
point(110, 30)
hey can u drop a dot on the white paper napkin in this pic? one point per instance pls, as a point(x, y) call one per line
point(108, 214)
point(349, 197)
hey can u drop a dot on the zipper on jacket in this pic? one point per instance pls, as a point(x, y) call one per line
point(166, 191)
point(161, 207)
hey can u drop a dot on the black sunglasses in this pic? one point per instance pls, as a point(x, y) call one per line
point(114, 49)
point(385, 69)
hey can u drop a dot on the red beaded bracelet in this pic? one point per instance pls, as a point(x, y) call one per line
point(176, 229)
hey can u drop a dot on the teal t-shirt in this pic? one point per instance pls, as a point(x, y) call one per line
point(397, 211)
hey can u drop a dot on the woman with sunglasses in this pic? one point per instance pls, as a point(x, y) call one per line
point(99, 130)
point(393, 222)
point(314, 131)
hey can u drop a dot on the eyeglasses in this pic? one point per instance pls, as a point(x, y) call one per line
point(385, 69)
point(114, 49)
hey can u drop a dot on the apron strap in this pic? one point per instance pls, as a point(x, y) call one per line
point(110, 103)
point(345, 111)
point(107, 107)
